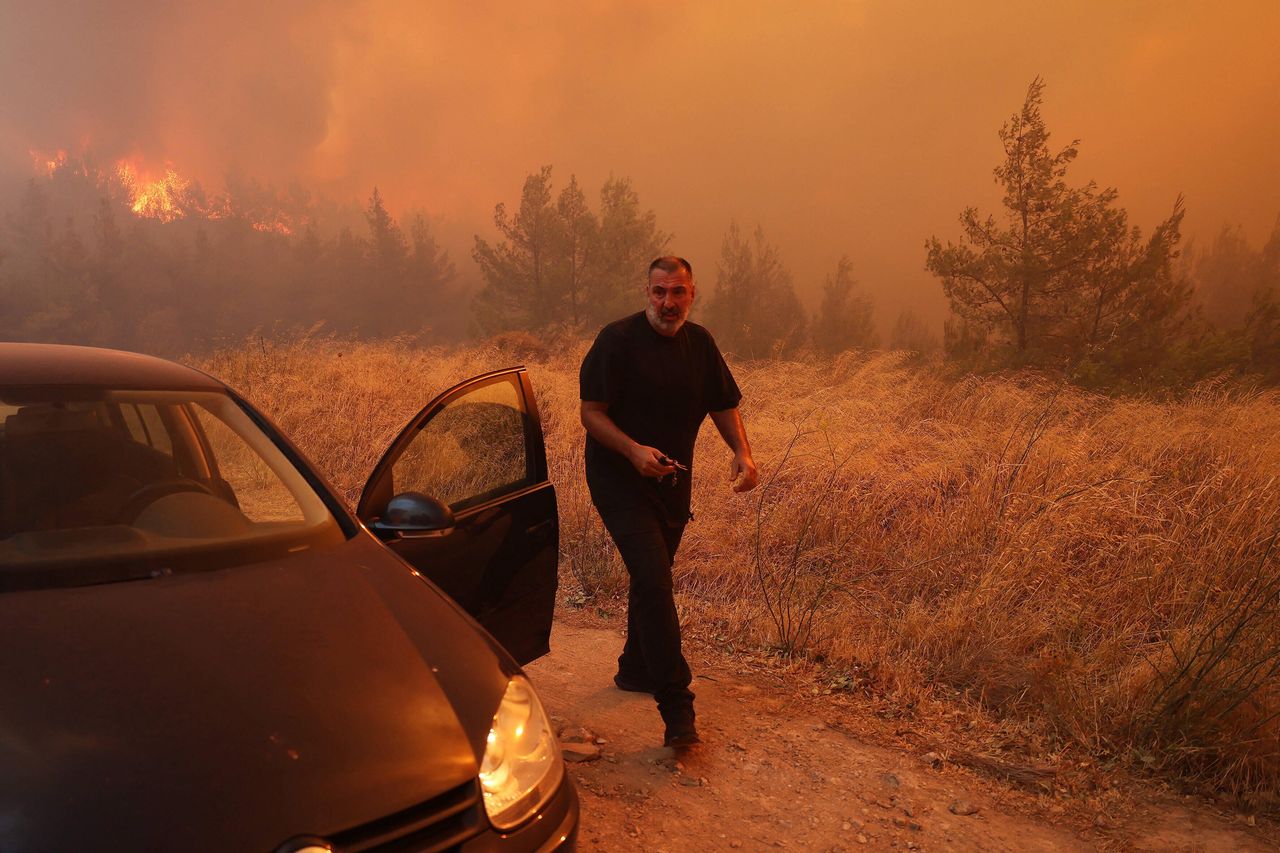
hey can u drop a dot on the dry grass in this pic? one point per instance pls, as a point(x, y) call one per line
point(1100, 569)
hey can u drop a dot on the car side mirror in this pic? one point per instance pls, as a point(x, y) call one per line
point(413, 515)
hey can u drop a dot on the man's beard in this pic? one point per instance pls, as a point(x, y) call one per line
point(663, 324)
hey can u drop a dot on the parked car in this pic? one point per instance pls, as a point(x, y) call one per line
point(204, 650)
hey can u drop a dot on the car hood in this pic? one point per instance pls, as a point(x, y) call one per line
point(237, 708)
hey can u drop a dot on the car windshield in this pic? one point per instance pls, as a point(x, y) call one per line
point(102, 485)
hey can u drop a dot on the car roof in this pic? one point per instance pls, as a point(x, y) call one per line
point(25, 365)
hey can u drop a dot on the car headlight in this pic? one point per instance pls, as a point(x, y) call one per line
point(522, 766)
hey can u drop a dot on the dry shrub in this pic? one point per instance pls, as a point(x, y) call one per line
point(1100, 569)
point(521, 346)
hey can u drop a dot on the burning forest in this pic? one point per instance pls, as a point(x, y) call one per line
point(1001, 290)
point(162, 194)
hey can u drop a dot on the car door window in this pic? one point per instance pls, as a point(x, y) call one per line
point(471, 450)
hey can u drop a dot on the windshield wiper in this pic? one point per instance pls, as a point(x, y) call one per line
point(36, 576)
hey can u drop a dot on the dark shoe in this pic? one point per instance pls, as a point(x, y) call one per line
point(624, 683)
point(681, 737)
point(681, 731)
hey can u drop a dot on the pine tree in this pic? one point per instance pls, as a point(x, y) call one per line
point(387, 263)
point(629, 239)
point(1262, 323)
point(1132, 300)
point(431, 278)
point(562, 263)
point(754, 310)
point(388, 249)
point(1063, 278)
point(430, 268)
point(579, 231)
point(1231, 273)
point(345, 284)
point(521, 290)
point(844, 321)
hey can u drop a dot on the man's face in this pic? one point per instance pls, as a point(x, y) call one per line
point(670, 298)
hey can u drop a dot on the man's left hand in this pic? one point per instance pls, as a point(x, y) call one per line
point(742, 471)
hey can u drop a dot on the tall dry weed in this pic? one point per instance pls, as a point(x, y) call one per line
point(1103, 569)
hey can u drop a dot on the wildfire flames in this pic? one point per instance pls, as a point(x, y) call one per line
point(47, 164)
point(167, 198)
point(158, 199)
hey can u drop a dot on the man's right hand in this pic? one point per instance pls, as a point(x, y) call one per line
point(648, 461)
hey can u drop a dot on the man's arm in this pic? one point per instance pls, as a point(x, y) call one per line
point(743, 468)
point(646, 460)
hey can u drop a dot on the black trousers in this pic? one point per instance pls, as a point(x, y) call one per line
point(652, 653)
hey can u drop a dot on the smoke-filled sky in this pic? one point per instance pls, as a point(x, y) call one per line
point(840, 127)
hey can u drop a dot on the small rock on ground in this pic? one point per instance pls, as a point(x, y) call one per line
point(576, 734)
point(580, 751)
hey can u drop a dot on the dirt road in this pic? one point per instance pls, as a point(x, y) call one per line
point(780, 770)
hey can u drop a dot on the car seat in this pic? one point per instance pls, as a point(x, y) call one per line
point(62, 466)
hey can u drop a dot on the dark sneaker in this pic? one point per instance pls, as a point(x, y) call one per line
point(681, 737)
point(631, 686)
point(681, 731)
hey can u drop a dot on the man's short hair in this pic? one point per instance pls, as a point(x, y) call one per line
point(670, 263)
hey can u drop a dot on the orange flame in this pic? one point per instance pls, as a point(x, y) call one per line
point(163, 198)
point(276, 226)
point(169, 197)
point(46, 164)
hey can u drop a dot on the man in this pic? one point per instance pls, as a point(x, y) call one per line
point(647, 384)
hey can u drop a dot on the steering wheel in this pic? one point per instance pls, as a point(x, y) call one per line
point(152, 492)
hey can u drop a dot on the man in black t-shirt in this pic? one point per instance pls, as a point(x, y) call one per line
point(647, 383)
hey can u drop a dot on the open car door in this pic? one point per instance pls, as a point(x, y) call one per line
point(462, 494)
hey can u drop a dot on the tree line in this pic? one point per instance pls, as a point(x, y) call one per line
point(78, 266)
point(561, 264)
point(1058, 279)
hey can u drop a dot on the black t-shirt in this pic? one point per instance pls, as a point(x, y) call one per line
point(659, 390)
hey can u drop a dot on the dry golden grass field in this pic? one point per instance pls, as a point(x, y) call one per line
point(1099, 572)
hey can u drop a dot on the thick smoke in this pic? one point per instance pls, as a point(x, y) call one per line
point(209, 87)
point(858, 128)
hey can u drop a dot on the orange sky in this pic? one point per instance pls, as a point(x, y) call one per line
point(841, 127)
